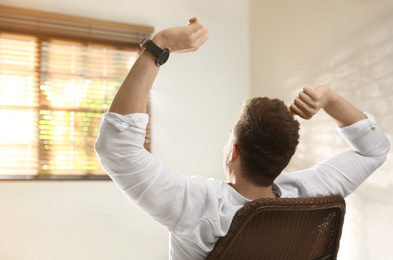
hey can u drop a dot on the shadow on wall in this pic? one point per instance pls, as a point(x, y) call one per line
point(361, 71)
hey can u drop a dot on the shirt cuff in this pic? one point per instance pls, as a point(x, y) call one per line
point(121, 122)
point(359, 128)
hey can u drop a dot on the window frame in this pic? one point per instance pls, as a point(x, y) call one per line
point(87, 32)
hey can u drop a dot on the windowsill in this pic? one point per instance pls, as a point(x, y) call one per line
point(50, 177)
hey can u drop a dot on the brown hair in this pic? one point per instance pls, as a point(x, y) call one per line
point(267, 136)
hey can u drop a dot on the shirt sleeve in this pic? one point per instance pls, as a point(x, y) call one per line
point(162, 193)
point(342, 173)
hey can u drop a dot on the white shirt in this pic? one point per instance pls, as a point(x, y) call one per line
point(198, 211)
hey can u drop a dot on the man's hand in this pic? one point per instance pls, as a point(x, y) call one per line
point(133, 95)
point(310, 101)
point(182, 39)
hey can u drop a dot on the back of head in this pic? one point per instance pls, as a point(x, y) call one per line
point(267, 136)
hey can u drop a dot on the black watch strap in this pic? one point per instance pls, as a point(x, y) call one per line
point(160, 55)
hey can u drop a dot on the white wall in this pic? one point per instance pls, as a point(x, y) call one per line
point(196, 100)
point(347, 45)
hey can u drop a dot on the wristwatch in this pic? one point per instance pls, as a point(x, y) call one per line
point(160, 55)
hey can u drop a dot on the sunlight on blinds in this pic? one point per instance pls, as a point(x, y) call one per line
point(52, 96)
point(74, 75)
point(78, 82)
point(67, 140)
point(18, 101)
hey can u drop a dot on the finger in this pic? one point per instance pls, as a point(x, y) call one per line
point(200, 34)
point(300, 103)
point(204, 39)
point(306, 99)
point(310, 92)
point(200, 42)
point(290, 111)
point(297, 111)
point(306, 111)
point(193, 20)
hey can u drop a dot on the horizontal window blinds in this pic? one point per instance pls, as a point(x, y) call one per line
point(53, 92)
point(19, 96)
point(78, 82)
point(65, 26)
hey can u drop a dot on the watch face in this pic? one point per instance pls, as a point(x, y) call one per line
point(162, 57)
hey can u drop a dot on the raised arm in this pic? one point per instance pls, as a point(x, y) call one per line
point(311, 100)
point(344, 172)
point(132, 97)
point(155, 188)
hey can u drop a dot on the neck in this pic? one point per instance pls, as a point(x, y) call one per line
point(244, 187)
point(251, 191)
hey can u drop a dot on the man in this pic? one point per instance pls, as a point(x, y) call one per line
point(197, 211)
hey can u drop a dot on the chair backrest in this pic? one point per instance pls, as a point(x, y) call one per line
point(295, 228)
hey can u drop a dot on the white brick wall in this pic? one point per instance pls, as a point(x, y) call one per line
point(362, 71)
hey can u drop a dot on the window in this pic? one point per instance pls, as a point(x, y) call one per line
point(55, 83)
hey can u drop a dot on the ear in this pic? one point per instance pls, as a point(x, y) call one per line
point(235, 153)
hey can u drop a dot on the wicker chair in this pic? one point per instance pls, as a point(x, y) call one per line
point(296, 228)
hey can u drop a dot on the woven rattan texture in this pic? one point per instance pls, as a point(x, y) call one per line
point(296, 228)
